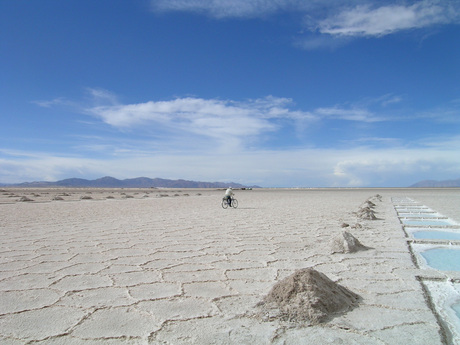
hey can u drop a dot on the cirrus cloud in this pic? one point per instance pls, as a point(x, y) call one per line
point(367, 20)
point(329, 23)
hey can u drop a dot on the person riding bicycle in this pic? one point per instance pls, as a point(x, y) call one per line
point(228, 195)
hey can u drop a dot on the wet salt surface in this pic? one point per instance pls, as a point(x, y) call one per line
point(446, 299)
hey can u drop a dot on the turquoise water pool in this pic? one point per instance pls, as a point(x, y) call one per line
point(426, 222)
point(421, 215)
point(443, 259)
point(436, 235)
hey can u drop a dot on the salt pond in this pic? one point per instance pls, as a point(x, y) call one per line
point(426, 222)
point(436, 235)
point(423, 223)
point(444, 259)
point(418, 214)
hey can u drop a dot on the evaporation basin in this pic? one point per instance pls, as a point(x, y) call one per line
point(436, 235)
point(443, 259)
point(426, 222)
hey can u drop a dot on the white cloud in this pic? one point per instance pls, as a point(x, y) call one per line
point(212, 140)
point(20, 166)
point(212, 118)
point(228, 8)
point(57, 102)
point(395, 167)
point(359, 167)
point(102, 96)
point(329, 23)
point(367, 20)
point(354, 114)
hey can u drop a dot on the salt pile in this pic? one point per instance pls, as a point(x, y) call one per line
point(345, 242)
point(307, 296)
point(366, 211)
point(24, 199)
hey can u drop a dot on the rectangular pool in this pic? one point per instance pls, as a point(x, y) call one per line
point(427, 222)
point(443, 259)
point(421, 215)
point(436, 235)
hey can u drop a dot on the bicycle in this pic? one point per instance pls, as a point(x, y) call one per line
point(225, 203)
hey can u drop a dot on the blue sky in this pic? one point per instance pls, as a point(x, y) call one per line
point(278, 93)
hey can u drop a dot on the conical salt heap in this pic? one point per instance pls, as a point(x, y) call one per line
point(345, 242)
point(366, 213)
point(24, 199)
point(307, 296)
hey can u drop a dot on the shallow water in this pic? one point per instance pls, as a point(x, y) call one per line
point(413, 209)
point(421, 215)
point(436, 235)
point(426, 222)
point(443, 259)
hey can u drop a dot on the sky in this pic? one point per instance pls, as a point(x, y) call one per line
point(274, 93)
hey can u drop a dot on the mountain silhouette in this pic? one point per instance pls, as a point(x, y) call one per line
point(139, 182)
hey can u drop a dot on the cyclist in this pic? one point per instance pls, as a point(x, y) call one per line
point(228, 195)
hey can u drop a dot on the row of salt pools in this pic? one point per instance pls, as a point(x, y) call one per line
point(435, 243)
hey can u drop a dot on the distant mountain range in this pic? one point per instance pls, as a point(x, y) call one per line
point(139, 182)
point(437, 184)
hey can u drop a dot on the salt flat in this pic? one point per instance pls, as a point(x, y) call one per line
point(173, 267)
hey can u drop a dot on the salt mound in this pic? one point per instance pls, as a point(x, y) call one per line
point(377, 197)
point(24, 199)
point(366, 213)
point(346, 243)
point(307, 296)
point(369, 204)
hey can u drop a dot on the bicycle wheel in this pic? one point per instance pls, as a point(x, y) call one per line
point(234, 203)
point(224, 203)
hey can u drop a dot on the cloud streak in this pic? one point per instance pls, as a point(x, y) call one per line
point(330, 23)
point(368, 20)
point(228, 8)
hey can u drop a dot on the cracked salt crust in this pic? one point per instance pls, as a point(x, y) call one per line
point(182, 270)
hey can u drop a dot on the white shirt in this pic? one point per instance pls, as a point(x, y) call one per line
point(229, 192)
